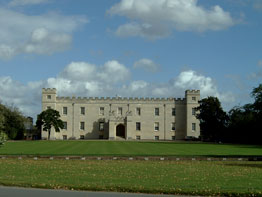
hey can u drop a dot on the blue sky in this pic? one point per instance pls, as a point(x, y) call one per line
point(132, 48)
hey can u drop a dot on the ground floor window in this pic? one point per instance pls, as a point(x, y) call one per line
point(138, 126)
point(173, 137)
point(82, 137)
point(101, 137)
point(101, 126)
point(193, 126)
point(156, 137)
point(138, 137)
point(64, 137)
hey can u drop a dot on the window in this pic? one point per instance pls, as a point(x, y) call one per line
point(101, 126)
point(156, 126)
point(119, 110)
point(48, 96)
point(82, 110)
point(138, 111)
point(156, 137)
point(193, 98)
point(138, 137)
point(102, 111)
point(138, 126)
point(48, 107)
point(173, 111)
point(193, 126)
point(173, 126)
point(64, 137)
point(193, 111)
point(101, 137)
point(64, 110)
point(156, 111)
point(82, 125)
point(65, 125)
point(82, 137)
point(173, 137)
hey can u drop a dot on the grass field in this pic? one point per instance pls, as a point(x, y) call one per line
point(170, 177)
point(126, 148)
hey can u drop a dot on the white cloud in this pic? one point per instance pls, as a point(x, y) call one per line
point(146, 64)
point(155, 19)
point(26, 2)
point(192, 80)
point(35, 34)
point(110, 79)
point(259, 63)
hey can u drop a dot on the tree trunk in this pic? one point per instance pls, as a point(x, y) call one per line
point(49, 131)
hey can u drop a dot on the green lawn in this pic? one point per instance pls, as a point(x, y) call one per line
point(127, 148)
point(170, 177)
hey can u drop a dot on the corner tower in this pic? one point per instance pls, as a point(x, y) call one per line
point(48, 98)
point(192, 123)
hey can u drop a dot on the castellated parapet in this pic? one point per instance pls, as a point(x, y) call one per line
point(124, 118)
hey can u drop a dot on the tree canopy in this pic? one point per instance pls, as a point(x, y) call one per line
point(11, 122)
point(212, 119)
point(48, 119)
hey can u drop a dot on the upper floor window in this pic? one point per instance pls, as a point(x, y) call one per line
point(138, 111)
point(156, 111)
point(138, 126)
point(101, 126)
point(173, 111)
point(119, 110)
point(64, 110)
point(156, 126)
point(65, 125)
point(48, 107)
point(82, 110)
point(48, 96)
point(193, 98)
point(193, 126)
point(173, 126)
point(193, 111)
point(102, 111)
point(82, 125)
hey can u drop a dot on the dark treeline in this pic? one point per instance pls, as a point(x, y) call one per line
point(242, 124)
point(11, 123)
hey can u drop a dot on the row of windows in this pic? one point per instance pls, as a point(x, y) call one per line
point(138, 137)
point(138, 126)
point(119, 111)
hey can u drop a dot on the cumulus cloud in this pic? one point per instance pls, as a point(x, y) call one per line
point(36, 34)
point(110, 79)
point(155, 19)
point(26, 2)
point(146, 64)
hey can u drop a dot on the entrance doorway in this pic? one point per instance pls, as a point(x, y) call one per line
point(120, 131)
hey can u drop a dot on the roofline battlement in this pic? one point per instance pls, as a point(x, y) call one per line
point(192, 91)
point(152, 99)
point(45, 90)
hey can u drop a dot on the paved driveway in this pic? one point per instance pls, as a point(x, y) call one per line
point(30, 192)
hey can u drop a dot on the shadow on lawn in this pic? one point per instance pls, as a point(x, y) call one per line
point(250, 165)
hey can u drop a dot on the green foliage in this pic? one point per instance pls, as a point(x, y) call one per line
point(212, 119)
point(48, 119)
point(245, 122)
point(12, 122)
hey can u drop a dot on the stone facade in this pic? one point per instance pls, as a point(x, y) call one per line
point(124, 118)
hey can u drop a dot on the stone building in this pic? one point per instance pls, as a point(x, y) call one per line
point(124, 118)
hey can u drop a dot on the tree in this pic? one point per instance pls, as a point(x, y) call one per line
point(257, 95)
point(212, 119)
point(49, 118)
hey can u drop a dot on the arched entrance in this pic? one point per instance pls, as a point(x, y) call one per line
point(120, 131)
